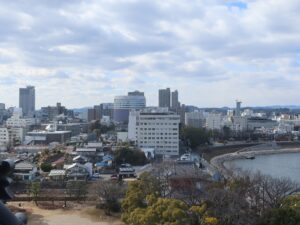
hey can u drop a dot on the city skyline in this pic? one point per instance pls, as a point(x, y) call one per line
point(212, 52)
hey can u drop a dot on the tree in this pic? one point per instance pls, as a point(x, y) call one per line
point(46, 167)
point(76, 189)
point(226, 132)
point(160, 211)
point(195, 136)
point(245, 197)
point(34, 190)
point(281, 216)
point(144, 205)
point(109, 193)
point(132, 156)
point(137, 192)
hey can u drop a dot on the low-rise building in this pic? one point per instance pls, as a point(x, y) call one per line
point(76, 171)
point(25, 171)
point(47, 136)
point(75, 128)
point(260, 122)
point(86, 151)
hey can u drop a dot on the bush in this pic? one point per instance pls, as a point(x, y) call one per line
point(113, 206)
point(46, 167)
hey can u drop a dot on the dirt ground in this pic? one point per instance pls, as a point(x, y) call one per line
point(85, 215)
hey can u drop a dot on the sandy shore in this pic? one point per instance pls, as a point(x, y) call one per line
point(86, 216)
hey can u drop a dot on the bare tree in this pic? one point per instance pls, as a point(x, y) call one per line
point(109, 194)
point(76, 189)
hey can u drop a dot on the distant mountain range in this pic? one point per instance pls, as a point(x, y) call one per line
point(279, 107)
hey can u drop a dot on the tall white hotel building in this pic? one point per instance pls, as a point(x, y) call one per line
point(155, 128)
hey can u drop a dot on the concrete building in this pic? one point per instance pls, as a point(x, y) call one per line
point(238, 108)
point(95, 113)
point(248, 113)
point(123, 104)
point(239, 123)
point(214, 121)
point(27, 100)
point(259, 122)
point(2, 112)
point(16, 120)
point(107, 109)
point(195, 119)
point(122, 136)
point(164, 98)
point(136, 93)
point(91, 115)
point(174, 101)
point(45, 137)
point(75, 128)
point(155, 128)
point(49, 113)
point(11, 135)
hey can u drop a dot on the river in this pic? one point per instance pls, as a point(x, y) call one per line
point(276, 165)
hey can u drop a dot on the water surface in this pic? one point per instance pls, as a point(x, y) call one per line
point(276, 165)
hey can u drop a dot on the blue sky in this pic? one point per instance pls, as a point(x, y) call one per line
point(82, 53)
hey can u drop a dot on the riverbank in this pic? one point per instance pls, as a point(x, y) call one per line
point(218, 161)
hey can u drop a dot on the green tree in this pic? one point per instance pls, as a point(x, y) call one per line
point(226, 132)
point(160, 211)
point(132, 156)
point(34, 190)
point(137, 192)
point(46, 167)
point(195, 136)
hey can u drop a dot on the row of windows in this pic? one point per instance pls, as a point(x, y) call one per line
point(145, 133)
point(175, 138)
point(160, 148)
point(160, 118)
point(159, 142)
point(152, 128)
point(156, 124)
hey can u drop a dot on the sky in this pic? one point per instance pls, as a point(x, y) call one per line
point(84, 52)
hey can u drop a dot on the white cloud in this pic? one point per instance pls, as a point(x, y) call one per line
point(212, 51)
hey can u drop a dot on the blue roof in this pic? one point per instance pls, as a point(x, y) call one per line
point(108, 157)
point(101, 164)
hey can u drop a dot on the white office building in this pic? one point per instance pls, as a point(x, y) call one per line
point(239, 123)
point(11, 135)
point(214, 121)
point(195, 119)
point(18, 121)
point(155, 128)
